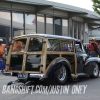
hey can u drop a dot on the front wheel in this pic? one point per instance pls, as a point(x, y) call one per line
point(61, 75)
point(95, 71)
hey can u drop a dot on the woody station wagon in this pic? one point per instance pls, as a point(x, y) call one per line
point(42, 56)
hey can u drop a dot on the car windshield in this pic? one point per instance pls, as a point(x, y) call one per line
point(78, 48)
point(87, 50)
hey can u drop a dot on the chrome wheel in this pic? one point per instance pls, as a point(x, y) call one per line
point(96, 70)
point(62, 73)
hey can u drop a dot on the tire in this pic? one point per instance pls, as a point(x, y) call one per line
point(95, 71)
point(61, 75)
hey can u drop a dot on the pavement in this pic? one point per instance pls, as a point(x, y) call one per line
point(92, 91)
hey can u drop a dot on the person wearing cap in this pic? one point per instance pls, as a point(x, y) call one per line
point(94, 48)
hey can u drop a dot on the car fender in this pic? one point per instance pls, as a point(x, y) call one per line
point(90, 64)
point(56, 61)
point(92, 59)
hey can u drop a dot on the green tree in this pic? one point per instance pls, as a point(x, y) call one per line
point(96, 6)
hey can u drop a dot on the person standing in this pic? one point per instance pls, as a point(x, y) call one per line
point(2, 55)
point(2, 49)
point(94, 48)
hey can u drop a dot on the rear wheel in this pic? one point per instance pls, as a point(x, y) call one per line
point(61, 75)
point(95, 71)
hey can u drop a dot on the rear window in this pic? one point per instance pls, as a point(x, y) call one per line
point(19, 45)
point(16, 62)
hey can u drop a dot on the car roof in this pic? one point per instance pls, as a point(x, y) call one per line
point(49, 36)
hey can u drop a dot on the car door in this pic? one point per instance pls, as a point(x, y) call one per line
point(81, 57)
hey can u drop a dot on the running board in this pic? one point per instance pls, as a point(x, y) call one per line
point(81, 74)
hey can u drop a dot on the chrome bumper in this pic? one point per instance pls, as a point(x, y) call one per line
point(26, 76)
point(36, 76)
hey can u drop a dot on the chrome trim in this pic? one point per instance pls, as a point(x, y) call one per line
point(62, 73)
point(36, 76)
point(81, 74)
point(48, 36)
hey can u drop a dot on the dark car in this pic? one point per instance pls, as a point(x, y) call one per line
point(42, 56)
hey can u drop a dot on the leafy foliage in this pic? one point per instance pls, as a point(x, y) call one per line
point(96, 6)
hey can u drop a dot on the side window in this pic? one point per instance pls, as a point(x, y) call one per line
point(53, 45)
point(66, 46)
point(35, 44)
point(59, 45)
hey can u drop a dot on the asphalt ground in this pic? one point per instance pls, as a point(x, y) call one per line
point(92, 91)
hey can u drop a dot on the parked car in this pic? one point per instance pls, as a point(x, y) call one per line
point(42, 56)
